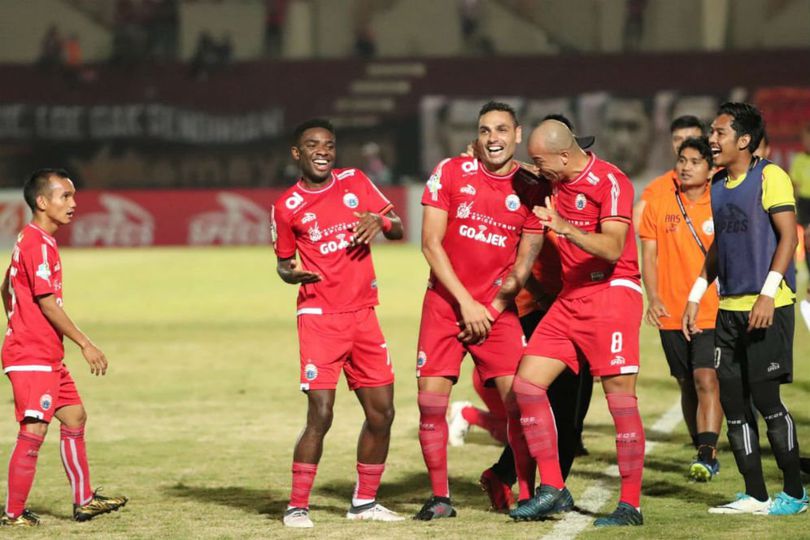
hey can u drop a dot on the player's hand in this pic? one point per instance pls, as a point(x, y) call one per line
point(96, 359)
point(688, 323)
point(655, 310)
point(549, 217)
point(475, 321)
point(368, 226)
point(473, 150)
point(296, 275)
point(761, 315)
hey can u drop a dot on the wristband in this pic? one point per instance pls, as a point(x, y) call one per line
point(771, 285)
point(698, 290)
point(387, 224)
point(494, 313)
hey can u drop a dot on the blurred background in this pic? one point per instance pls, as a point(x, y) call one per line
point(174, 116)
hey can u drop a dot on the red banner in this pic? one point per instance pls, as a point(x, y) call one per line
point(173, 218)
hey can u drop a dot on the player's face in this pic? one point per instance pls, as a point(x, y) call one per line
point(59, 202)
point(723, 140)
point(551, 165)
point(497, 138)
point(315, 154)
point(692, 169)
point(680, 135)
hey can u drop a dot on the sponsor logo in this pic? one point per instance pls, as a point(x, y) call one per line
point(717, 354)
point(468, 189)
point(469, 166)
point(333, 246)
point(421, 359)
point(592, 179)
point(731, 219)
point(580, 201)
point(314, 233)
point(708, 227)
point(240, 221)
point(434, 184)
point(617, 361)
point(597, 276)
point(527, 420)
point(464, 209)
point(512, 202)
point(481, 235)
point(45, 402)
point(627, 435)
point(351, 200)
point(347, 173)
point(294, 201)
point(44, 271)
point(309, 216)
point(311, 371)
point(773, 367)
point(121, 223)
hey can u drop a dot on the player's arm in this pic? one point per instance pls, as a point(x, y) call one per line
point(474, 315)
point(607, 244)
point(784, 223)
point(528, 250)
point(6, 293)
point(370, 224)
point(707, 275)
point(289, 272)
point(59, 319)
point(649, 275)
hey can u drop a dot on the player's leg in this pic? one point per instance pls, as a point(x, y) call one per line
point(710, 412)
point(584, 393)
point(676, 352)
point(463, 414)
point(563, 396)
point(525, 466)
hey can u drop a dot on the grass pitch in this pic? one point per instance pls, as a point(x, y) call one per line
point(196, 419)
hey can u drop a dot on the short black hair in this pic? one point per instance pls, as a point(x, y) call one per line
point(490, 106)
point(687, 121)
point(37, 183)
point(701, 144)
point(310, 124)
point(559, 118)
point(747, 121)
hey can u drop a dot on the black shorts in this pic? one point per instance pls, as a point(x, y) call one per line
point(761, 355)
point(683, 356)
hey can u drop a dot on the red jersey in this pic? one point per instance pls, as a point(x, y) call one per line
point(316, 224)
point(32, 343)
point(600, 193)
point(486, 215)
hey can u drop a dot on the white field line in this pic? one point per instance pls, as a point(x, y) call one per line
point(595, 497)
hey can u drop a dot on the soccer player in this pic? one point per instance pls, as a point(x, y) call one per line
point(682, 128)
point(480, 238)
point(33, 355)
point(595, 319)
point(329, 217)
point(676, 231)
point(752, 257)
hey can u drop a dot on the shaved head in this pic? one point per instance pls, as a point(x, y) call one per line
point(554, 151)
point(552, 136)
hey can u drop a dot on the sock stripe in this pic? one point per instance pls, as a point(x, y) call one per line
point(69, 470)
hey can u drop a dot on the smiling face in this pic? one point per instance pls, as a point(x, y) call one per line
point(315, 154)
point(498, 136)
point(692, 168)
point(58, 202)
point(725, 144)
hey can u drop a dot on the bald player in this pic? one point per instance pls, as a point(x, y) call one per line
point(594, 323)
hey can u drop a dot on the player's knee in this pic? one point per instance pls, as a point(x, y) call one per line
point(36, 427)
point(320, 417)
point(381, 419)
point(706, 383)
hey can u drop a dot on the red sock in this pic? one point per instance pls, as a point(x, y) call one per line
point(21, 469)
point(433, 439)
point(525, 465)
point(539, 429)
point(303, 476)
point(496, 426)
point(368, 481)
point(629, 445)
point(74, 458)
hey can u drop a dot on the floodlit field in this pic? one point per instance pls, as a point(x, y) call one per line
point(198, 414)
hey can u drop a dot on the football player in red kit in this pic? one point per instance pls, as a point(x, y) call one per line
point(33, 355)
point(329, 217)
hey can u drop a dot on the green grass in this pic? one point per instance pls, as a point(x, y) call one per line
point(196, 419)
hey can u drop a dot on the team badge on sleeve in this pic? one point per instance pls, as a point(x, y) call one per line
point(351, 200)
point(434, 184)
point(45, 402)
point(512, 202)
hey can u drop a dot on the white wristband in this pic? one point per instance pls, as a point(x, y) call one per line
point(698, 290)
point(771, 285)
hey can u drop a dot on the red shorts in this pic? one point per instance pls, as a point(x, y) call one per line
point(38, 394)
point(440, 352)
point(601, 329)
point(350, 341)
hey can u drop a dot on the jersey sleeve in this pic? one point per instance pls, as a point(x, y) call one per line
point(282, 234)
point(377, 202)
point(647, 229)
point(38, 259)
point(777, 190)
point(437, 189)
point(616, 199)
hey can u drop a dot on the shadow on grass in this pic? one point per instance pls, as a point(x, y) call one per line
point(259, 501)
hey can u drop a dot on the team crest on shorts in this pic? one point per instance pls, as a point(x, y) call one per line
point(311, 372)
point(421, 359)
point(512, 202)
point(580, 201)
point(45, 402)
point(708, 227)
point(351, 200)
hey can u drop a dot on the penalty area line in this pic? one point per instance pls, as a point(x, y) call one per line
point(595, 497)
